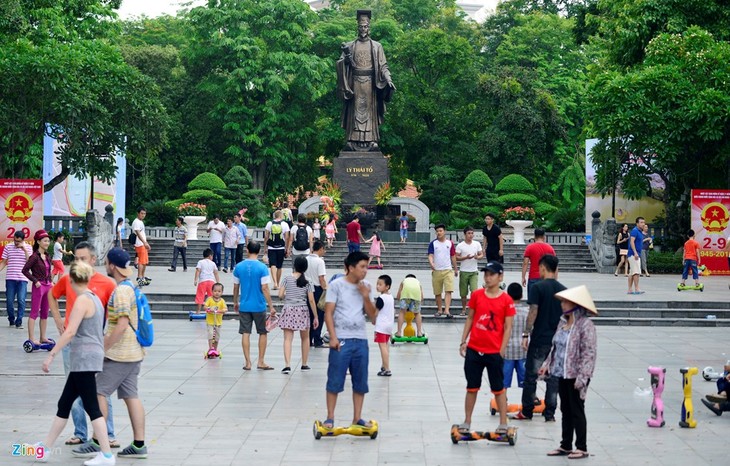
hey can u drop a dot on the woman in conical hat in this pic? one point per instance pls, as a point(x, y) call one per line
point(572, 359)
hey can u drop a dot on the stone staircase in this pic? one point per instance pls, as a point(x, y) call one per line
point(611, 313)
point(408, 256)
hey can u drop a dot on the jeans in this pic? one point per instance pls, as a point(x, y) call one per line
point(216, 247)
point(240, 252)
point(510, 366)
point(530, 282)
point(535, 357)
point(353, 247)
point(78, 415)
point(176, 251)
point(230, 258)
point(690, 264)
point(16, 289)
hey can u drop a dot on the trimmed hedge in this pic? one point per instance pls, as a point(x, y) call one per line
point(514, 183)
point(665, 262)
point(477, 179)
point(206, 181)
point(517, 199)
point(201, 196)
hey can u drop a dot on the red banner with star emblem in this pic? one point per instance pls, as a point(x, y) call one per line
point(22, 204)
point(710, 218)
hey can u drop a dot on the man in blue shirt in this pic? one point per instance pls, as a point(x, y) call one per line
point(636, 241)
point(251, 278)
point(238, 223)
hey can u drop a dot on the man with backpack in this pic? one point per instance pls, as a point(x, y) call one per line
point(123, 353)
point(300, 238)
point(276, 236)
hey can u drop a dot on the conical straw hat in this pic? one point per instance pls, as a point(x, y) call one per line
point(580, 296)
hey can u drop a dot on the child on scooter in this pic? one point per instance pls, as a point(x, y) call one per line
point(691, 258)
point(215, 307)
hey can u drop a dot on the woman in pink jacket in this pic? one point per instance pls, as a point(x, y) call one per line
point(572, 360)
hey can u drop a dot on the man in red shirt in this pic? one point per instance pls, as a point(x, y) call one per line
point(533, 254)
point(488, 327)
point(354, 235)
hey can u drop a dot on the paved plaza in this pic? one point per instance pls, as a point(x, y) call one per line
point(202, 412)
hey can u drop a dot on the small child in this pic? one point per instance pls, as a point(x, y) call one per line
point(330, 230)
point(206, 274)
point(375, 248)
point(410, 297)
point(516, 355)
point(58, 253)
point(316, 228)
point(691, 258)
point(215, 307)
point(384, 321)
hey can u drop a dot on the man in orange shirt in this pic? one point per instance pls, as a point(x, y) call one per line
point(691, 258)
point(102, 287)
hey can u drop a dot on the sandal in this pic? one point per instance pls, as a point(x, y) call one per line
point(578, 455)
point(265, 368)
point(74, 441)
point(328, 424)
point(559, 452)
point(464, 428)
point(114, 443)
point(364, 424)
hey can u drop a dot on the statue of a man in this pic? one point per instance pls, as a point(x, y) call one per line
point(364, 86)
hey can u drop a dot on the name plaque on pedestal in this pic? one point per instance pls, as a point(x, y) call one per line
point(359, 174)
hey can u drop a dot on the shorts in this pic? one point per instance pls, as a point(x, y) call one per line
point(468, 281)
point(58, 268)
point(276, 257)
point(412, 305)
point(142, 257)
point(404, 233)
point(474, 365)
point(247, 319)
point(39, 300)
point(214, 332)
point(353, 356)
point(442, 280)
point(381, 337)
point(204, 289)
point(119, 376)
point(634, 265)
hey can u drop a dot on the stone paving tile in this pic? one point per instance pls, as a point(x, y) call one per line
point(213, 413)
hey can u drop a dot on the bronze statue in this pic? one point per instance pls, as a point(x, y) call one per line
point(364, 86)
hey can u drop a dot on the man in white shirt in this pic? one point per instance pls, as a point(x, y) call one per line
point(315, 274)
point(216, 228)
point(468, 252)
point(442, 257)
point(141, 247)
point(300, 245)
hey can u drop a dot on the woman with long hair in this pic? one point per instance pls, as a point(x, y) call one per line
point(118, 231)
point(622, 244)
point(38, 270)
point(295, 290)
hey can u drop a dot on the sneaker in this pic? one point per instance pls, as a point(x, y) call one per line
point(549, 418)
point(86, 450)
point(306, 368)
point(101, 460)
point(521, 417)
point(225, 270)
point(286, 370)
point(19, 327)
point(170, 269)
point(133, 452)
point(384, 373)
point(141, 282)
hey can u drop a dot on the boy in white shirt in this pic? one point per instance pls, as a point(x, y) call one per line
point(468, 252)
point(384, 321)
point(206, 275)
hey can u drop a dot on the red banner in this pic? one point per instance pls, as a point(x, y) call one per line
point(710, 218)
point(22, 204)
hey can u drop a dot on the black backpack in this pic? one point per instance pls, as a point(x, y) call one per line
point(275, 239)
point(301, 241)
point(132, 239)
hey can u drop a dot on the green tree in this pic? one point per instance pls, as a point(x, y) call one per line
point(59, 66)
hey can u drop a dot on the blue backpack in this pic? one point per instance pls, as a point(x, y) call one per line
point(145, 331)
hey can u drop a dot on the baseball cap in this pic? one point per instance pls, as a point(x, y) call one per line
point(494, 267)
point(119, 258)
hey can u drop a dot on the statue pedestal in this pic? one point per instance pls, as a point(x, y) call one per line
point(359, 174)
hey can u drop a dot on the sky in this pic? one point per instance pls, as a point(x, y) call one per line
point(154, 8)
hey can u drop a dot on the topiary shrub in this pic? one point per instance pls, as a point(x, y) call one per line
point(516, 199)
point(545, 210)
point(239, 177)
point(476, 190)
point(206, 181)
point(201, 196)
point(514, 183)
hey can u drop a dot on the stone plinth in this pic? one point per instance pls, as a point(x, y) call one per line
point(359, 174)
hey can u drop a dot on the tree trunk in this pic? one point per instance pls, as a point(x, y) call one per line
point(258, 173)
